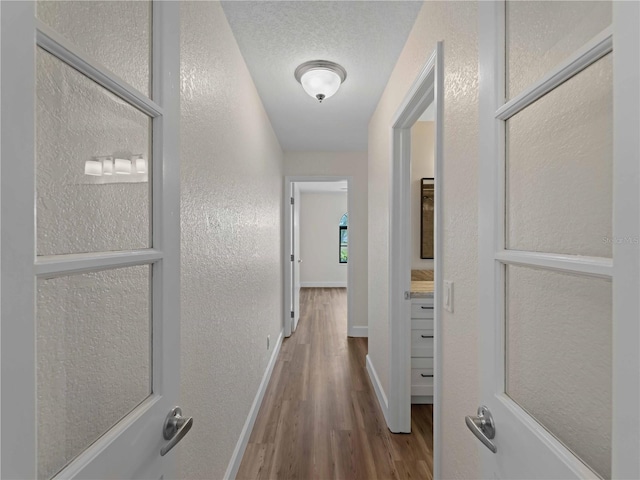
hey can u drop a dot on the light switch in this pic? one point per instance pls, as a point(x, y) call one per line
point(447, 299)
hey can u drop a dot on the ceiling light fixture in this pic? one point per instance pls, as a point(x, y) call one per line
point(320, 78)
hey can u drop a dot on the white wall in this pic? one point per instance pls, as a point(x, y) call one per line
point(353, 164)
point(422, 165)
point(456, 24)
point(232, 184)
point(320, 215)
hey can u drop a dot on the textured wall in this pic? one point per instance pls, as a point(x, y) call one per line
point(422, 164)
point(352, 164)
point(456, 24)
point(232, 191)
point(320, 215)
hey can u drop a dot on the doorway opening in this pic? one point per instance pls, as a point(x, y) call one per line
point(414, 357)
point(317, 239)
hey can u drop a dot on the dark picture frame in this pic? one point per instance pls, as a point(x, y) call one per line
point(427, 215)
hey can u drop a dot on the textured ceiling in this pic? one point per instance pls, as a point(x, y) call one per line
point(365, 37)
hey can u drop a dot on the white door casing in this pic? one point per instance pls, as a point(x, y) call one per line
point(525, 449)
point(427, 88)
point(131, 448)
point(290, 211)
point(296, 255)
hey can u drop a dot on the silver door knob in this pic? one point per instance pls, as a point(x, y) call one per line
point(482, 426)
point(299, 260)
point(175, 428)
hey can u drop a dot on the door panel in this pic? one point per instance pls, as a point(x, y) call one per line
point(559, 159)
point(94, 358)
point(556, 265)
point(116, 33)
point(296, 250)
point(558, 357)
point(80, 124)
point(539, 39)
point(91, 310)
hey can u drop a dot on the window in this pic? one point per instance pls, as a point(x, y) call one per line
point(343, 239)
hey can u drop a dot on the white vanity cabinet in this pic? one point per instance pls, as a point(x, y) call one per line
point(422, 350)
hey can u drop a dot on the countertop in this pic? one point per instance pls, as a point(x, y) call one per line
point(421, 289)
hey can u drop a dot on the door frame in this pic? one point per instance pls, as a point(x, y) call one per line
point(21, 33)
point(288, 181)
point(623, 269)
point(427, 88)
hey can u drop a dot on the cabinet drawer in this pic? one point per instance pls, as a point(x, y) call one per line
point(421, 343)
point(421, 310)
point(421, 382)
point(422, 324)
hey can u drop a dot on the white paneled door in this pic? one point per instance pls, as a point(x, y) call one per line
point(559, 247)
point(90, 241)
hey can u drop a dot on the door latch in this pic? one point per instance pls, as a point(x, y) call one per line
point(483, 427)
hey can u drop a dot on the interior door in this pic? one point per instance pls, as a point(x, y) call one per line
point(558, 248)
point(90, 239)
point(296, 255)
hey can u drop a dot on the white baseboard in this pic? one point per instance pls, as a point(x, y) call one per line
point(238, 452)
point(382, 398)
point(359, 332)
point(323, 284)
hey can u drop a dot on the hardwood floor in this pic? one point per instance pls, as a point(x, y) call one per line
point(320, 419)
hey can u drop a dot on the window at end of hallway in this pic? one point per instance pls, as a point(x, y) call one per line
point(343, 239)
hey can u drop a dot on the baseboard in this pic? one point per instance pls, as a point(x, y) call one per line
point(382, 398)
point(238, 452)
point(323, 284)
point(359, 332)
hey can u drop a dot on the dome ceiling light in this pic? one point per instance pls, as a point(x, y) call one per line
point(320, 78)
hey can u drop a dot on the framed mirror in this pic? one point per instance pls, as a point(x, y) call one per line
point(427, 202)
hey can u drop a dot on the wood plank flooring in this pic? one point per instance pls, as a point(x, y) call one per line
point(320, 419)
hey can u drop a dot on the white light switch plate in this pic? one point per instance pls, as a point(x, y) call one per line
point(447, 295)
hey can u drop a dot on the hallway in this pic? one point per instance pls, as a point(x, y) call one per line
point(319, 418)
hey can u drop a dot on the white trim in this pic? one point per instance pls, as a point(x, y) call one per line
point(286, 259)
point(323, 284)
point(17, 238)
point(626, 224)
point(243, 440)
point(439, 258)
point(592, 266)
point(288, 180)
point(591, 52)
point(358, 331)
point(427, 88)
point(377, 387)
point(55, 265)
point(56, 45)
